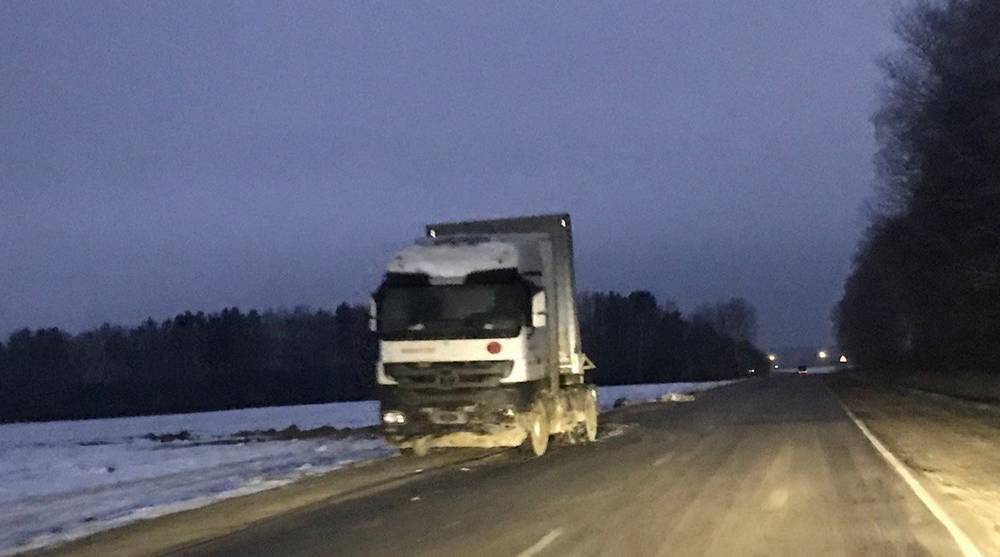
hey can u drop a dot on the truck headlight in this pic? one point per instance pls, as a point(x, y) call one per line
point(393, 417)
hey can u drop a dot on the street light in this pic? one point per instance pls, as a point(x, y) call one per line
point(822, 354)
point(772, 357)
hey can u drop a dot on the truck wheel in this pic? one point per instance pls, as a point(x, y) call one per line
point(538, 430)
point(571, 437)
point(590, 412)
point(420, 447)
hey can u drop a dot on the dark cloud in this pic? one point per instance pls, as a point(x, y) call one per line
point(160, 157)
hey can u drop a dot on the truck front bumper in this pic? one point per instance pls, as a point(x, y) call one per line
point(460, 414)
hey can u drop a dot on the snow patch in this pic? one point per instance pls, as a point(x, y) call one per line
point(455, 259)
point(676, 397)
point(652, 392)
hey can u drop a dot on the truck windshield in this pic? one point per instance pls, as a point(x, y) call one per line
point(453, 311)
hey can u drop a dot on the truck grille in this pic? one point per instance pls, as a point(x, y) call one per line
point(449, 375)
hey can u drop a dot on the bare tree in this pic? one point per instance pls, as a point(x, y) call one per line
point(735, 318)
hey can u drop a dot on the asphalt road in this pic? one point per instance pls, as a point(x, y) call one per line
point(769, 466)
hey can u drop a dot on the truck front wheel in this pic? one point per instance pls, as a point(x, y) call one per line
point(538, 429)
point(418, 447)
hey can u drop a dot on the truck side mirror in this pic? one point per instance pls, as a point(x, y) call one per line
point(538, 318)
point(372, 316)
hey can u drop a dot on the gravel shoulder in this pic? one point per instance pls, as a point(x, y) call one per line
point(953, 446)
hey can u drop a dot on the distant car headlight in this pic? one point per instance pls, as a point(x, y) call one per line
point(393, 418)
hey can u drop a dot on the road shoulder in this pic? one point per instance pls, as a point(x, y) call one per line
point(951, 449)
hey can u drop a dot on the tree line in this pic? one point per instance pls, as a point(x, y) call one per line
point(924, 291)
point(191, 362)
point(235, 359)
point(634, 339)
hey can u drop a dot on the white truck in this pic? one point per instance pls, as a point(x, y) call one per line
point(479, 339)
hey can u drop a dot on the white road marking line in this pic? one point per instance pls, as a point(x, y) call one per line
point(965, 544)
point(662, 459)
point(541, 544)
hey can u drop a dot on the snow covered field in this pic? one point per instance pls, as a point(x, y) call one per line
point(63, 480)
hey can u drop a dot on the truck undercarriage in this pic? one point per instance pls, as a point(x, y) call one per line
point(419, 419)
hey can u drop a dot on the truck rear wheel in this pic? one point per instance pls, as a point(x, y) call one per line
point(590, 413)
point(538, 430)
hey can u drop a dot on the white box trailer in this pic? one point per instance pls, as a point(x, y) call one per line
point(479, 338)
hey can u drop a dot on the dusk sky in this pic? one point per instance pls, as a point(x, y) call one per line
point(159, 157)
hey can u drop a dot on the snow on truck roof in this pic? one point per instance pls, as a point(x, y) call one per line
point(458, 257)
